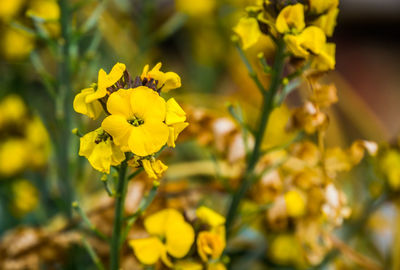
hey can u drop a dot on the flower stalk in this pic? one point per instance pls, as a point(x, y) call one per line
point(118, 218)
point(267, 107)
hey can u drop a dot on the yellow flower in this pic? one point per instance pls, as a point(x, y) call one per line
point(12, 109)
point(291, 19)
point(390, 165)
point(165, 81)
point(25, 197)
point(248, 31)
point(321, 6)
point(87, 102)
point(100, 150)
point(45, 9)
point(168, 225)
point(195, 8)
point(175, 119)
point(311, 39)
point(92, 109)
point(8, 9)
point(137, 119)
point(38, 139)
point(16, 44)
point(209, 216)
point(326, 59)
point(285, 249)
point(210, 245)
point(154, 168)
point(49, 11)
point(13, 156)
point(295, 203)
point(327, 22)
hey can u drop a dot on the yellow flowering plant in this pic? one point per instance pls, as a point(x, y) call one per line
point(263, 179)
point(138, 124)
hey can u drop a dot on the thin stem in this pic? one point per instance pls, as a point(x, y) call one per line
point(63, 110)
point(135, 173)
point(96, 260)
point(250, 69)
point(118, 218)
point(144, 204)
point(87, 221)
point(267, 108)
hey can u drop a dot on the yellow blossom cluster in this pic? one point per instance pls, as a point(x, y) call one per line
point(304, 28)
point(173, 237)
point(138, 120)
point(24, 140)
point(16, 43)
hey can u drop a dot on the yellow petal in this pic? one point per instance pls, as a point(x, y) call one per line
point(248, 31)
point(209, 216)
point(144, 72)
point(171, 81)
point(291, 19)
point(148, 250)
point(293, 44)
point(174, 131)
point(118, 127)
point(119, 103)
point(87, 143)
point(156, 224)
point(149, 169)
point(320, 6)
point(327, 22)
point(105, 80)
point(147, 104)
point(117, 155)
point(99, 154)
point(210, 245)
point(179, 237)
point(148, 138)
point(92, 109)
point(174, 114)
point(166, 81)
point(159, 168)
point(326, 59)
point(313, 39)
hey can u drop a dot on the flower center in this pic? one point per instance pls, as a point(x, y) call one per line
point(136, 121)
point(102, 137)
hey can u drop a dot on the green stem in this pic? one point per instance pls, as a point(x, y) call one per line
point(64, 111)
point(118, 218)
point(96, 260)
point(267, 107)
point(144, 204)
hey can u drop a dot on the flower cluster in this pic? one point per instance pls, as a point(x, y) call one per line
point(137, 119)
point(24, 139)
point(200, 241)
point(16, 42)
point(304, 28)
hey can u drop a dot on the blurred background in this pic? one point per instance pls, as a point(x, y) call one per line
point(193, 39)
